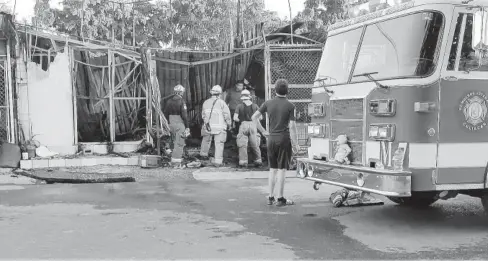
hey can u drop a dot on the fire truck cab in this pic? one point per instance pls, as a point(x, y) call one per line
point(408, 85)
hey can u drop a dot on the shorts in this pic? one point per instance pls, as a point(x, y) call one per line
point(279, 151)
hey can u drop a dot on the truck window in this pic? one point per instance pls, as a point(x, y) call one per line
point(470, 55)
point(338, 56)
point(400, 47)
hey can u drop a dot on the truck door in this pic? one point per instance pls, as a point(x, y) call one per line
point(463, 130)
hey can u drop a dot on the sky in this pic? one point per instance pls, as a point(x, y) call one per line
point(25, 8)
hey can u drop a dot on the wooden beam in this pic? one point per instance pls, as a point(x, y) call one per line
point(111, 96)
point(74, 94)
point(117, 88)
point(8, 80)
point(81, 45)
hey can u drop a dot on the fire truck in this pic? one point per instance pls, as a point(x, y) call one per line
point(408, 86)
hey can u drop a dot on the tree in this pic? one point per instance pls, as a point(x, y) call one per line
point(95, 19)
point(204, 24)
point(6, 7)
point(322, 13)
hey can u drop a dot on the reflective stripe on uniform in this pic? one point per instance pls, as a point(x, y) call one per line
point(217, 120)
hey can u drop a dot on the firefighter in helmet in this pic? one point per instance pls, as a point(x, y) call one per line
point(248, 132)
point(216, 121)
point(176, 113)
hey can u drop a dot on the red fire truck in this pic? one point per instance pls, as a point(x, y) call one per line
point(408, 85)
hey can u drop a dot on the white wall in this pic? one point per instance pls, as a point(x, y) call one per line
point(47, 99)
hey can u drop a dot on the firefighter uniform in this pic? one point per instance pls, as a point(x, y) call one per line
point(248, 133)
point(216, 120)
point(233, 99)
point(176, 113)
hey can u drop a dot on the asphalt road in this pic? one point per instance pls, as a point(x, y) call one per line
point(188, 219)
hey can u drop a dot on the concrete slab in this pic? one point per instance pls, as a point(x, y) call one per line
point(78, 162)
point(206, 174)
point(76, 178)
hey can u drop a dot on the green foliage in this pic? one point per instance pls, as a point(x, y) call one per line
point(322, 13)
point(6, 8)
point(196, 24)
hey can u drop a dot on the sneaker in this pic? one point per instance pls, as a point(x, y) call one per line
point(217, 165)
point(271, 200)
point(242, 166)
point(258, 164)
point(284, 202)
point(203, 158)
point(178, 165)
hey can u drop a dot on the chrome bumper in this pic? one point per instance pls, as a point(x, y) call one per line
point(378, 181)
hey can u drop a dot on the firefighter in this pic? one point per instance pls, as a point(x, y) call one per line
point(176, 114)
point(248, 133)
point(233, 99)
point(216, 121)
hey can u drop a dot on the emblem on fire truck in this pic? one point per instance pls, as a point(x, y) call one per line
point(474, 108)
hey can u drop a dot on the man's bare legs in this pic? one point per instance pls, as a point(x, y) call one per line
point(281, 182)
point(277, 176)
point(272, 181)
point(281, 200)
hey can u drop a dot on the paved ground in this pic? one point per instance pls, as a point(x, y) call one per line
point(189, 219)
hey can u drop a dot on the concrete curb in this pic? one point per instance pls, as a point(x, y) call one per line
point(75, 178)
point(235, 175)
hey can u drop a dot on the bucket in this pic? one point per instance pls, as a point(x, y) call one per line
point(31, 152)
point(149, 161)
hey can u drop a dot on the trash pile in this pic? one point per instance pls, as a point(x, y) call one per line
point(146, 148)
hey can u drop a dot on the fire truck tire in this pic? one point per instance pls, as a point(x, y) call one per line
point(484, 202)
point(416, 200)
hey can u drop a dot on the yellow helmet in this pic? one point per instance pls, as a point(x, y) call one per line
point(179, 88)
point(216, 90)
point(245, 95)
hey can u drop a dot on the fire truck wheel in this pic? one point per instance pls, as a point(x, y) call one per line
point(484, 201)
point(416, 200)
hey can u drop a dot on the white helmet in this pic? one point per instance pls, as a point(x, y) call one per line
point(179, 88)
point(216, 90)
point(245, 95)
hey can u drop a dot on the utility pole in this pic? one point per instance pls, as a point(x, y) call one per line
point(82, 19)
point(171, 23)
point(133, 26)
point(291, 22)
point(238, 23)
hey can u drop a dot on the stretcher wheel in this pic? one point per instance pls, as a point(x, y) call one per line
point(419, 199)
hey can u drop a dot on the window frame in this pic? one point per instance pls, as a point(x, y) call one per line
point(440, 43)
point(448, 74)
point(436, 55)
point(457, 57)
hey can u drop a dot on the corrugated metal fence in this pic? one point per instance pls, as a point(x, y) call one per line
point(198, 72)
